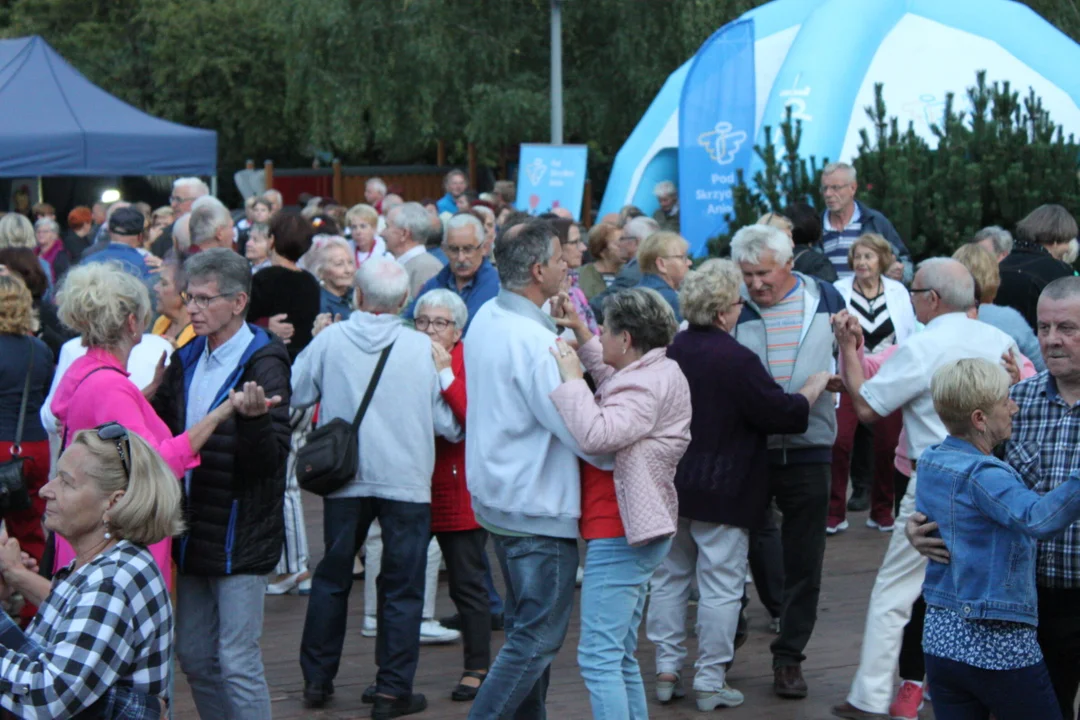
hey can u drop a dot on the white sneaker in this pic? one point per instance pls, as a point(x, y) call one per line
point(666, 690)
point(371, 626)
point(580, 576)
point(726, 696)
point(774, 626)
point(878, 526)
point(433, 633)
point(844, 525)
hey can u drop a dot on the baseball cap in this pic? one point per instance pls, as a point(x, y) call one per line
point(127, 221)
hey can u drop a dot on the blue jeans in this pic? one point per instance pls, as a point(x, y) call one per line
point(612, 600)
point(963, 692)
point(406, 530)
point(495, 602)
point(540, 574)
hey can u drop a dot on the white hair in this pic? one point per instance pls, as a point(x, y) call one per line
point(485, 211)
point(198, 186)
point(752, 240)
point(181, 232)
point(839, 167)
point(465, 220)
point(448, 299)
point(318, 256)
point(413, 217)
point(376, 183)
point(999, 237)
point(952, 282)
point(47, 223)
point(642, 227)
point(383, 283)
point(273, 196)
point(665, 188)
point(208, 215)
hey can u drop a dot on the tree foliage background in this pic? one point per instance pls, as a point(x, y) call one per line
point(380, 81)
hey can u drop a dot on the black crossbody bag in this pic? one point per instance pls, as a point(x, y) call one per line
point(13, 493)
point(331, 456)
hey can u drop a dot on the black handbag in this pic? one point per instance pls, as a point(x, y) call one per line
point(13, 493)
point(331, 456)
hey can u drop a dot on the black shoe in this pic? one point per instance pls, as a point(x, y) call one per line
point(467, 693)
point(316, 694)
point(860, 500)
point(453, 622)
point(385, 708)
point(369, 694)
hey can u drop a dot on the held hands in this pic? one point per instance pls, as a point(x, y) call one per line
point(847, 330)
point(440, 357)
point(567, 359)
point(251, 401)
point(280, 327)
point(564, 313)
point(918, 530)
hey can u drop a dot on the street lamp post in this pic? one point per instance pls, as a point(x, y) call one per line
point(556, 73)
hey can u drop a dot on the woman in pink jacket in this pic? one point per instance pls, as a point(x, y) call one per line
point(110, 308)
point(641, 413)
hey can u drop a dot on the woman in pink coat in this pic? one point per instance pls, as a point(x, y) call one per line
point(110, 308)
point(641, 413)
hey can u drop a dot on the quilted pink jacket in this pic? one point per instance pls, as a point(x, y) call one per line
point(642, 414)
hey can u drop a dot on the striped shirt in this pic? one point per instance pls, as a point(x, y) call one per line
point(783, 329)
point(836, 243)
point(873, 314)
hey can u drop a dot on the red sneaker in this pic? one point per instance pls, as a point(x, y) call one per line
point(908, 702)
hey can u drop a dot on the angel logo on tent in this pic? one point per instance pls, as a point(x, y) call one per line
point(535, 171)
point(722, 143)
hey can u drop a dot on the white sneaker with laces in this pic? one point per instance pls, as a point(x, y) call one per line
point(874, 525)
point(432, 632)
point(839, 528)
point(726, 696)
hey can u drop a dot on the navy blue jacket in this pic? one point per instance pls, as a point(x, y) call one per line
point(484, 286)
point(657, 283)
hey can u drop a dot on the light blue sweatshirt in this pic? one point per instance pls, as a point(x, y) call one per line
point(1009, 321)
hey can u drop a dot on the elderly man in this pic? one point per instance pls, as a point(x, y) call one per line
point(633, 233)
point(943, 293)
point(1046, 432)
point(786, 323)
point(397, 437)
point(185, 192)
point(846, 219)
point(233, 499)
point(469, 274)
point(521, 464)
point(455, 183)
point(374, 192)
point(407, 227)
point(276, 201)
point(211, 224)
point(125, 242)
point(667, 216)
point(995, 240)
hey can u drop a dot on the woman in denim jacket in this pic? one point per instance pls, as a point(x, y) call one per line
point(982, 654)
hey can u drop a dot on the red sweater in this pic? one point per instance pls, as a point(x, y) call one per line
point(451, 504)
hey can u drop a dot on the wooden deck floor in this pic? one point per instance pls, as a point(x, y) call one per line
point(851, 561)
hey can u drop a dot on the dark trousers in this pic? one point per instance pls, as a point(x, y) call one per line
point(862, 455)
point(1059, 638)
point(912, 665)
point(406, 529)
point(802, 495)
point(767, 563)
point(463, 552)
point(963, 692)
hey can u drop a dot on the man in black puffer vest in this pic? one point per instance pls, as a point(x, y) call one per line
point(233, 498)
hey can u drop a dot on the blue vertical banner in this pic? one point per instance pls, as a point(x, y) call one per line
point(716, 131)
point(551, 176)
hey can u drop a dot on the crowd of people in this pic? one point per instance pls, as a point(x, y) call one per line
point(537, 387)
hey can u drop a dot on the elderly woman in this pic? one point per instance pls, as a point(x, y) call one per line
point(104, 630)
point(257, 247)
point(721, 481)
point(597, 276)
point(886, 316)
point(17, 232)
point(334, 267)
point(110, 308)
point(363, 222)
point(641, 413)
point(50, 248)
point(664, 260)
point(173, 323)
point(982, 652)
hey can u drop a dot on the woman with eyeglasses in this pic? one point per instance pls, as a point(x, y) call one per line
point(569, 234)
point(664, 258)
point(102, 639)
point(110, 308)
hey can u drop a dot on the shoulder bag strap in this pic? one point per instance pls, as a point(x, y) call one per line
point(371, 388)
point(16, 448)
point(63, 440)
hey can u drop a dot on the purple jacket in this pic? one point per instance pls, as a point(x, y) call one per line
point(723, 477)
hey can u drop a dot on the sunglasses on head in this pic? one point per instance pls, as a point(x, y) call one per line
point(117, 433)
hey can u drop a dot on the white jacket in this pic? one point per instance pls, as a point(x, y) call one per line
point(897, 301)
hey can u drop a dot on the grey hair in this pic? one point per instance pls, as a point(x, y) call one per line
point(383, 283)
point(376, 183)
point(47, 223)
point(709, 290)
point(194, 183)
point(1062, 289)
point(390, 202)
point(466, 220)
point(999, 237)
point(273, 196)
point(95, 300)
point(181, 232)
point(952, 282)
point(749, 242)
point(16, 232)
point(321, 253)
point(413, 217)
point(208, 214)
point(231, 270)
point(452, 173)
point(448, 299)
point(642, 313)
point(641, 227)
point(665, 188)
point(840, 167)
point(519, 248)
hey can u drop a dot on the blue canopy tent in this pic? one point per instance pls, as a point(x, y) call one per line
point(55, 122)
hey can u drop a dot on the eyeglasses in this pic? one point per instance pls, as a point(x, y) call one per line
point(440, 324)
point(627, 239)
point(916, 291)
point(684, 256)
point(177, 199)
point(117, 433)
point(834, 188)
point(201, 301)
point(465, 250)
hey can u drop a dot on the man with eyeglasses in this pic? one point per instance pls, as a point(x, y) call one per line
point(469, 273)
point(846, 219)
point(184, 193)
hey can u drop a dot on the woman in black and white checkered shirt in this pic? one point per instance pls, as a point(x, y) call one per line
point(102, 637)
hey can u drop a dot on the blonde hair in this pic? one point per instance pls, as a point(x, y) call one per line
point(655, 246)
point(362, 212)
point(96, 299)
point(709, 290)
point(983, 268)
point(16, 306)
point(149, 510)
point(964, 386)
point(16, 232)
point(880, 247)
point(777, 221)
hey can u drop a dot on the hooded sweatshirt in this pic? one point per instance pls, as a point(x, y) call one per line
point(397, 435)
